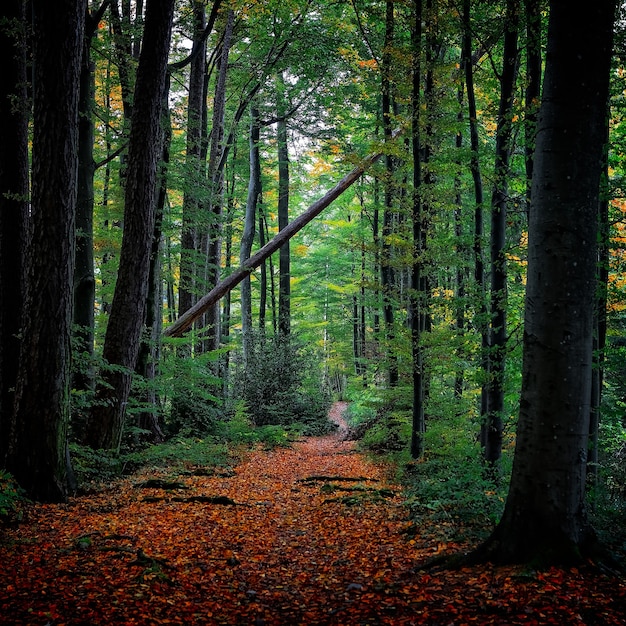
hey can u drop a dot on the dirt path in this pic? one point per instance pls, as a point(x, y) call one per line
point(315, 537)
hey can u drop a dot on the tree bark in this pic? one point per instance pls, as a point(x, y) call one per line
point(38, 457)
point(128, 308)
point(545, 514)
point(479, 264)
point(13, 206)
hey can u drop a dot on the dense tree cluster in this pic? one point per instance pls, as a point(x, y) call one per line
point(421, 202)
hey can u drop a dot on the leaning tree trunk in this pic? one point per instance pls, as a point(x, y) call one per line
point(545, 514)
point(13, 205)
point(128, 308)
point(42, 397)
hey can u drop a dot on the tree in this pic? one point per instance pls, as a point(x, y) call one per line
point(13, 204)
point(128, 308)
point(37, 456)
point(545, 515)
point(492, 438)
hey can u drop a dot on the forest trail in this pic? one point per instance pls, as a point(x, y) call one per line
point(312, 534)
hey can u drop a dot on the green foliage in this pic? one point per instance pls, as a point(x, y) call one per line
point(190, 390)
point(12, 499)
point(281, 386)
point(241, 430)
point(451, 485)
point(101, 466)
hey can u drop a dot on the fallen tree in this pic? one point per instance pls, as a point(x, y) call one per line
point(184, 322)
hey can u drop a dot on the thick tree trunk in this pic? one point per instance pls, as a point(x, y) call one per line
point(38, 457)
point(128, 309)
point(13, 206)
point(545, 515)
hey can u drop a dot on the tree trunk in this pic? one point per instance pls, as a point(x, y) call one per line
point(493, 420)
point(128, 308)
point(150, 348)
point(13, 206)
point(247, 238)
point(545, 515)
point(417, 295)
point(38, 457)
point(196, 106)
point(84, 273)
point(533, 84)
point(185, 321)
point(284, 261)
point(215, 173)
point(479, 265)
point(387, 273)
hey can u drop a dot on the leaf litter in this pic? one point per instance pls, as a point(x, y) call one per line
point(267, 544)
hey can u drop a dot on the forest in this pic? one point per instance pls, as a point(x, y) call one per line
point(222, 219)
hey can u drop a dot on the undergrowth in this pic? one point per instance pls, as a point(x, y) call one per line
point(448, 489)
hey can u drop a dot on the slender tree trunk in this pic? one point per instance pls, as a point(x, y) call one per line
point(84, 273)
point(215, 173)
point(493, 420)
point(13, 206)
point(38, 458)
point(533, 85)
point(196, 107)
point(284, 270)
point(545, 515)
point(479, 265)
point(417, 295)
point(600, 323)
point(247, 238)
point(388, 279)
point(128, 309)
point(263, 281)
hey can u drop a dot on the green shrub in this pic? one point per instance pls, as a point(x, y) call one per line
point(281, 385)
point(12, 499)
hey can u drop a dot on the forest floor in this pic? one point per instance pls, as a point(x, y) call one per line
point(312, 534)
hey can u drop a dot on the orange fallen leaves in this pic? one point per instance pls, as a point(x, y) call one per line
point(286, 552)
